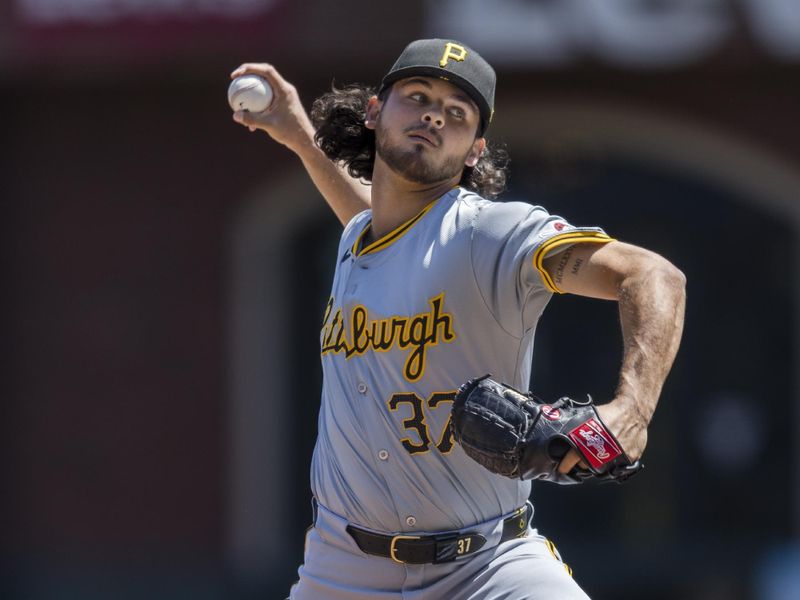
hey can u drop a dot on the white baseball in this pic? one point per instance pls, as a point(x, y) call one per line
point(251, 93)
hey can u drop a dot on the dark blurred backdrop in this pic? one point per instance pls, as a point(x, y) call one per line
point(164, 273)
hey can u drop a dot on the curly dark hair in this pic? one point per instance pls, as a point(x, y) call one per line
point(338, 116)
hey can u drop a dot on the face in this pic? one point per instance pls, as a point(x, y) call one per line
point(425, 130)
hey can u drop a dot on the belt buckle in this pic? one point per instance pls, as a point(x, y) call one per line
point(393, 543)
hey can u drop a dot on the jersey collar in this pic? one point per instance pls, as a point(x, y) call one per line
point(390, 237)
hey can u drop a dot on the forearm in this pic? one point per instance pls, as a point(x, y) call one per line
point(288, 123)
point(651, 294)
point(345, 195)
point(651, 308)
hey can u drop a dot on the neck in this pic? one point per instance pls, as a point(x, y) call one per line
point(395, 200)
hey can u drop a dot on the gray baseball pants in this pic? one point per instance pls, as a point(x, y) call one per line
point(525, 568)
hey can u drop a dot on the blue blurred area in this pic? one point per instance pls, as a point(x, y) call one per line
point(777, 576)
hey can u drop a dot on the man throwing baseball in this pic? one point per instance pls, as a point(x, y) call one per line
point(436, 285)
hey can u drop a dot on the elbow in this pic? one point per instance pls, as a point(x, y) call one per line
point(674, 276)
point(656, 273)
point(679, 284)
point(670, 282)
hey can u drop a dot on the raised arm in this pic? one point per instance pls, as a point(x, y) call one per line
point(287, 122)
point(651, 296)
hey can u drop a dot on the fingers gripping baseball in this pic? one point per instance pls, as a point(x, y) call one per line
point(571, 460)
point(285, 120)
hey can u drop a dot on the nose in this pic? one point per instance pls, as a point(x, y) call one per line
point(433, 117)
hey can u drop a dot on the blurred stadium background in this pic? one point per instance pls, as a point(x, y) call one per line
point(164, 274)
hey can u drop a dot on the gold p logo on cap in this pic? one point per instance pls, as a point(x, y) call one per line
point(453, 51)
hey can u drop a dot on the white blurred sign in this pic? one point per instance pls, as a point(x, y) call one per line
point(626, 33)
point(46, 12)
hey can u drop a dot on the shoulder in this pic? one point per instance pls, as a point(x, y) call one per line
point(499, 219)
point(468, 200)
point(359, 218)
point(353, 229)
point(356, 224)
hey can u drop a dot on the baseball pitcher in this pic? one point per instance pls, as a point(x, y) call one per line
point(423, 465)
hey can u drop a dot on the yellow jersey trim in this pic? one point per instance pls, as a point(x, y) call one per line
point(390, 237)
point(569, 237)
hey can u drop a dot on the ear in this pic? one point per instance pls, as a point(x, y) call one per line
point(475, 152)
point(373, 109)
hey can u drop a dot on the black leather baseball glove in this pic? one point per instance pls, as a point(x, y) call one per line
point(520, 436)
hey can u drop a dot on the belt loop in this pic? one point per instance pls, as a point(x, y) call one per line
point(528, 515)
point(516, 525)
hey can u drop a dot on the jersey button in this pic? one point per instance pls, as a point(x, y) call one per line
point(362, 387)
point(411, 520)
point(383, 454)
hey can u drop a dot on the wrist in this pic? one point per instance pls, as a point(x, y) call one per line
point(306, 149)
point(633, 411)
point(303, 143)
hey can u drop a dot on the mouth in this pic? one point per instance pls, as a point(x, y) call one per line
point(423, 137)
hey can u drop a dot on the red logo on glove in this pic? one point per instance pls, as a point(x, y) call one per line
point(595, 443)
point(551, 413)
point(558, 225)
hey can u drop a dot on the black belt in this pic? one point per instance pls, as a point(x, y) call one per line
point(423, 549)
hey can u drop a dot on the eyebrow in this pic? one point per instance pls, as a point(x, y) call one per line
point(419, 80)
point(427, 84)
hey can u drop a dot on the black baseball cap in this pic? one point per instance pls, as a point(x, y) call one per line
point(454, 62)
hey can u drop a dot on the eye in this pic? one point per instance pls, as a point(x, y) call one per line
point(418, 97)
point(457, 113)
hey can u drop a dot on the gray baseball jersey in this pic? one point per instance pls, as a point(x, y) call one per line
point(454, 293)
